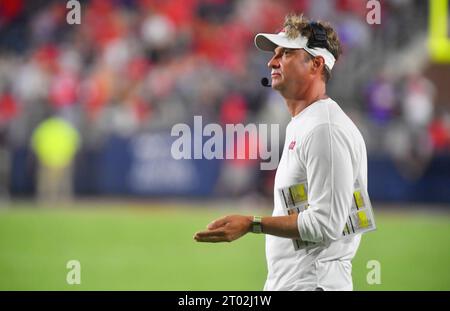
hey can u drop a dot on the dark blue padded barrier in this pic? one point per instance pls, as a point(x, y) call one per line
point(387, 184)
point(143, 166)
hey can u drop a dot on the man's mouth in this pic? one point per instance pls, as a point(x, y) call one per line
point(275, 74)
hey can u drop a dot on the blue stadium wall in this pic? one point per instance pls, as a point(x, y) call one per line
point(143, 166)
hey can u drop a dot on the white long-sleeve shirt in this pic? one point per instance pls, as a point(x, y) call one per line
point(324, 146)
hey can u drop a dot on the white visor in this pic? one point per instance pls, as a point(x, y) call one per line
point(268, 42)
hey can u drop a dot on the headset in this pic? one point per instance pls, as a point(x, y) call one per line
point(319, 36)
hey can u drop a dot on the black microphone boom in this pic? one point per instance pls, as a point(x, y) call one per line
point(265, 82)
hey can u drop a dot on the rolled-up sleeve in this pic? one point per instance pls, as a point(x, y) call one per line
point(327, 157)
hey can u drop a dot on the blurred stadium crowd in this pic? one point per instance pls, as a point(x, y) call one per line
point(145, 65)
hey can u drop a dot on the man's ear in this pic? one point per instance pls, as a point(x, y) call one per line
point(318, 64)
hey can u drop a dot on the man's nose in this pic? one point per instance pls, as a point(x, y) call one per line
point(273, 62)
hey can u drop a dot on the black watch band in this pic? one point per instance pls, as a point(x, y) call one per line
point(257, 224)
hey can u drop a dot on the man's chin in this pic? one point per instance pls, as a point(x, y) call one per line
point(276, 85)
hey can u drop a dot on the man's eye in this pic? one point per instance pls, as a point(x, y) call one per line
point(285, 52)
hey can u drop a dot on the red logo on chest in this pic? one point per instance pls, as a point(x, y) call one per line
point(292, 145)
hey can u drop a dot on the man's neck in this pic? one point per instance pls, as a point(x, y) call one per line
point(313, 94)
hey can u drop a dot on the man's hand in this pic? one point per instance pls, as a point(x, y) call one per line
point(226, 229)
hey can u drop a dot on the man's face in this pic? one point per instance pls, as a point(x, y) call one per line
point(290, 71)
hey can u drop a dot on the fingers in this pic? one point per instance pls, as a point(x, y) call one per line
point(213, 236)
point(217, 223)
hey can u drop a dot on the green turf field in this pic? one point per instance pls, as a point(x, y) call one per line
point(152, 248)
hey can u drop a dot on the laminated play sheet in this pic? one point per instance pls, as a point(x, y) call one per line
point(360, 220)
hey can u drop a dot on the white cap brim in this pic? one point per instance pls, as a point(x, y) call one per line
point(269, 42)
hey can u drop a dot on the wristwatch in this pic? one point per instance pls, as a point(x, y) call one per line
point(256, 224)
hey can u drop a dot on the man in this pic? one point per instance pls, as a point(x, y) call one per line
point(322, 146)
point(55, 143)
